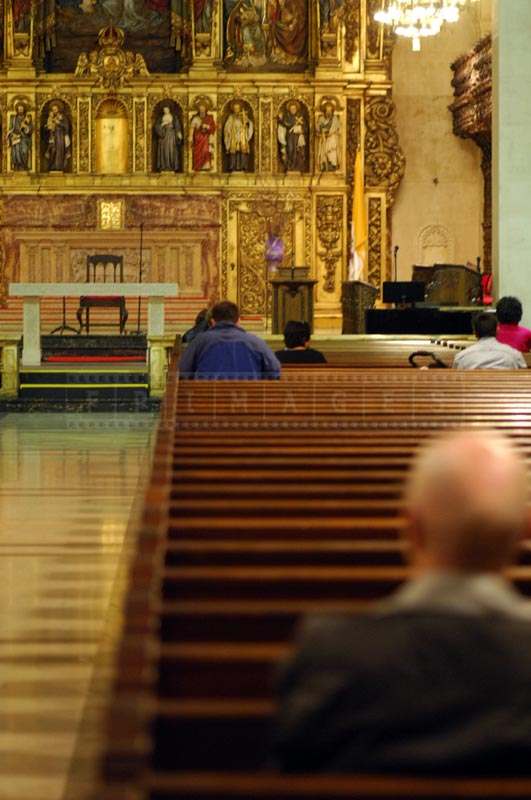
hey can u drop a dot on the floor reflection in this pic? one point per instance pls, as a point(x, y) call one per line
point(67, 484)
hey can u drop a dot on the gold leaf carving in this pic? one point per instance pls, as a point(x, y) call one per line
point(84, 136)
point(384, 159)
point(110, 65)
point(140, 136)
point(266, 140)
point(329, 227)
point(375, 242)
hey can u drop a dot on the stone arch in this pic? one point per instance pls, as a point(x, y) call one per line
point(435, 246)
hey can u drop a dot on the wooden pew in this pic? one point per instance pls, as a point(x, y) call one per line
point(259, 512)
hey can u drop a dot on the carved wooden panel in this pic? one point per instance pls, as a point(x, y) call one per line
point(376, 234)
point(472, 113)
point(330, 238)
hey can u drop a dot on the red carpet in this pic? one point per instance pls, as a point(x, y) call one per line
point(91, 359)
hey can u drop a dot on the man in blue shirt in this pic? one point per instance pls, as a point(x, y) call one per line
point(226, 351)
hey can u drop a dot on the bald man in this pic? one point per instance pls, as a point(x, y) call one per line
point(437, 678)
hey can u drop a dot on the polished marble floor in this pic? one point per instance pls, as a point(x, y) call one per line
point(67, 486)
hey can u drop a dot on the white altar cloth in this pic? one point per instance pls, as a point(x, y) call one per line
point(32, 293)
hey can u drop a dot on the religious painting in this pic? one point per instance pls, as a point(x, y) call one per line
point(330, 13)
point(203, 15)
point(293, 137)
point(112, 138)
point(56, 137)
point(147, 25)
point(266, 35)
point(167, 138)
point(203, 136)
point(238, 138)
point(21, 10)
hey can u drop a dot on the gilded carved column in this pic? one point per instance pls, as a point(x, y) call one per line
point(384, 169)
point(329, 215)
point(266, 136)
point(84, 135)
point(140, 138)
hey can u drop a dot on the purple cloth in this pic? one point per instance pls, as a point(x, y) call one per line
point(274, 248)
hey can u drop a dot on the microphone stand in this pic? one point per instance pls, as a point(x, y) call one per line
point(397, 248)
point(140, 256)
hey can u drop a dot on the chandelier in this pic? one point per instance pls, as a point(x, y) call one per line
point(417, 19)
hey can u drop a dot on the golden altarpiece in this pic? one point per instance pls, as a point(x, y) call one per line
point(217, 125)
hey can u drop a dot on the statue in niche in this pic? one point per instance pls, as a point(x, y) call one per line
point(238, 133)
point(328, 130)
point(168, 135)
point(57, 136)
point(203, 16)
point(19, 138)
point(203, 128)
point(292, 134)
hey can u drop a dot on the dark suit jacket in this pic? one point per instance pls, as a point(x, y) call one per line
point(410, 688)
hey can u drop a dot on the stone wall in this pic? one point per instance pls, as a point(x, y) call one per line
point(438, 212)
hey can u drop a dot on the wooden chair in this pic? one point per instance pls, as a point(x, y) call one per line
point(97, 264)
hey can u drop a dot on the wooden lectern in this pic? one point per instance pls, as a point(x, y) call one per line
point(292, 300)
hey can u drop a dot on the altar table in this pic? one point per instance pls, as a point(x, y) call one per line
point(32, 293)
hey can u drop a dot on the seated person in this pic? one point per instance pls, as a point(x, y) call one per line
point(298, 350)
point(201, 325)
point(488, 352)
point(509, 313)
point(227, 351)
point(437, 678)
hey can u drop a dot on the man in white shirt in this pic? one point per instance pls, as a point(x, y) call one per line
point(488, 353)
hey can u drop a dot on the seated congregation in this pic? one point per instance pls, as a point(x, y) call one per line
point(218, 347)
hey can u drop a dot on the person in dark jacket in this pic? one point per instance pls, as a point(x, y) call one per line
point(226, 351)
point(297, 346)
point(201, 324)
point(437, 679)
